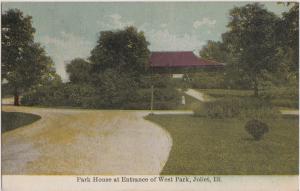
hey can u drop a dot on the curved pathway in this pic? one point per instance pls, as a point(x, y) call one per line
point(95, 142)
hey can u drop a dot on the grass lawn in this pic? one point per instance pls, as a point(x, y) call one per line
point(13, 120)
point(205, 146)
point(285, 102)
point(282, 100)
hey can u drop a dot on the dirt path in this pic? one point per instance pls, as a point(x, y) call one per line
point(173, 112)
point(65, 141)
point(196, 94)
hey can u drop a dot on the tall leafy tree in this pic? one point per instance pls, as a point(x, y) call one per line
point(24, 63)
point(251, 40)
point(288, 38)
point(123, 50)
point(119, 62)
point(79, 71)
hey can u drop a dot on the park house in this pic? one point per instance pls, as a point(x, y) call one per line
point(178, 63)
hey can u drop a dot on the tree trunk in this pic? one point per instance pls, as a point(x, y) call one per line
point(16, 100)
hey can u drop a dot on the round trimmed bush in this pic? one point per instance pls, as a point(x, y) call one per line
point(256, 128)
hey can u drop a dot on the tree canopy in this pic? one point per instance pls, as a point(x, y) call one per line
point(24, 63)
point(258, 46)
point(79, 71)
point(288, 37)
point(123, 50)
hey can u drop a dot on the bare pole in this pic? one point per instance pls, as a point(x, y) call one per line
point(152, 92)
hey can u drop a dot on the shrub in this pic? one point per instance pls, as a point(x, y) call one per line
point(286, 103)
point(108, 90)
point(58, 95)
point(238, 107)
point(157, 80)
point(220, 108)
point(257, 108)
point(256, 128)
point(164, 98)
point(115, 89)
point(282, 96)
point(207, 80)
point(110, 96)
point(281, 92)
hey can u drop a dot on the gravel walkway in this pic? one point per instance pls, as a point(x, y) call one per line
point(95, 142)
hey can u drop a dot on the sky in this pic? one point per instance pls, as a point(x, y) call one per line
point(69, 30)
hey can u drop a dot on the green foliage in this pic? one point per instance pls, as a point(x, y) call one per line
point(123, 50)
point(164, 98)
point(283, 96)
point(283, 102)
point(122, 95)
point(16, 34)
point(115, 88)
point(6, 90)
point(288, 38)
point(115, 70)
point(251, 39)
point(289, 92)
point(214, 51)
point(111, 80)
point(157, 80)
point(225, 108)
point(58, 95)
point(238, 107)
point(207, 80)
point(256, 128)
point(79, 71)
point(257, 42)
point(24, 63)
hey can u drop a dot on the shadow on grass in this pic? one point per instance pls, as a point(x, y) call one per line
point(13, 120)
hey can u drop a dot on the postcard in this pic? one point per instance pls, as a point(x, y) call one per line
point(148, 95)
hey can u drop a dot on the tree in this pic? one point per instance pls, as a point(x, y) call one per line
point(288, 38)
point(251, 40)
point(214, 50)
point(24, 63)
point(123, 50)
point(79, 71)
point(118, 63)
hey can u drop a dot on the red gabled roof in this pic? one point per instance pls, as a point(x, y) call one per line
point(180, 59)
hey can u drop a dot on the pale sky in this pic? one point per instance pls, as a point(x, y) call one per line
point(69, 30)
